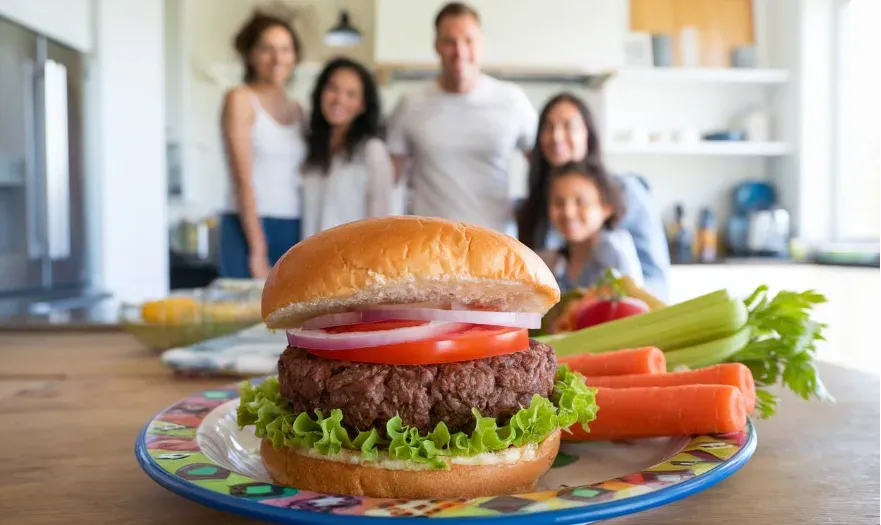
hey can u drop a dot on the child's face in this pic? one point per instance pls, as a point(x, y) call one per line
point(576, 208)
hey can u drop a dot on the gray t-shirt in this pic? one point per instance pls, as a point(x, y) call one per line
point(461, 146)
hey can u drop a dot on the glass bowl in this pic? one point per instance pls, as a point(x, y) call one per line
point(189, 316)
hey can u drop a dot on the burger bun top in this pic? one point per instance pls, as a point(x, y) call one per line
point(405, 260)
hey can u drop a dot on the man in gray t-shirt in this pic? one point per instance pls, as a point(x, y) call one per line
point(459, 133)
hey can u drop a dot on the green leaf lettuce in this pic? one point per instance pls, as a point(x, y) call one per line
point(268, 411)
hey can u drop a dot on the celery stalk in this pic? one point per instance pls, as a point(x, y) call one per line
point(702, 319)
point(709, 353)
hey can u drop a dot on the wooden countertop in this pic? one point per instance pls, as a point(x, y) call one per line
point(71, 406)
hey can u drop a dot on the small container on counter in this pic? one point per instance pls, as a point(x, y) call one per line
point(681, 239)
point(707, 237)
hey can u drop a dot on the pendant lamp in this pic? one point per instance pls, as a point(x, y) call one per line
point(343, 34)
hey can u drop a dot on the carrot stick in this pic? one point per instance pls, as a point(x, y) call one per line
point(646, 360)
point(733, 374)
point(635, 413)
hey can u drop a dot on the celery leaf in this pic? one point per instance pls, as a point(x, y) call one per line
point(782, 348)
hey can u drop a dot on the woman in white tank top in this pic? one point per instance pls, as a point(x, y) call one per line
point(265, 147)
point(348, 174)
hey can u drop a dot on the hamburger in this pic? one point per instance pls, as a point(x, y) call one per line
point(409, 371)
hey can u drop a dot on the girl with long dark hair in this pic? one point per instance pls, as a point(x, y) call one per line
point(348, 174)
point(584, 206)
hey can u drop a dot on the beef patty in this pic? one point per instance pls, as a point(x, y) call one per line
point(423, 395)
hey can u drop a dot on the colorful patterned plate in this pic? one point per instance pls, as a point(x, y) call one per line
point(194, 449)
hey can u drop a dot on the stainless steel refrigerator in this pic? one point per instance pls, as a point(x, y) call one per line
point(43, 242)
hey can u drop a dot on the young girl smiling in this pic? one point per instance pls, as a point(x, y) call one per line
point(584, 207)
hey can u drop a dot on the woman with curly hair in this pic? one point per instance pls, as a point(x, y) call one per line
point(263, 139)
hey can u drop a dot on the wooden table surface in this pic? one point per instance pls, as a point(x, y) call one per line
point(71, 406)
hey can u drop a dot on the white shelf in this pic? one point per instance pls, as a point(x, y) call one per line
point(706, 148)
point(705, 75)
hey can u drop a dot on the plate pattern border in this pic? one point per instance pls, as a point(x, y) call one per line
point(168, 451)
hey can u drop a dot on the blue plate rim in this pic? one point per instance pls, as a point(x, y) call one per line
point(571, 516)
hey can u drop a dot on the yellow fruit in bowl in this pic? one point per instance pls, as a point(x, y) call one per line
point(171, 311)
point(222, 312)
point(232, 311)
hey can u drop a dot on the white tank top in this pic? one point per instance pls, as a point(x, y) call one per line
point(277, 153)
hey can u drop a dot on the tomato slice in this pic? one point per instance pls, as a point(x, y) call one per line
point(472, 342)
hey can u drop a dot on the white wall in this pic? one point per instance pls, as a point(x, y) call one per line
point(579, 32)
point(67, 21)
point(806, 109)
point(782, 30)
point(858, 138)
point(175, 68)
point(128, 110)
point(815, 175)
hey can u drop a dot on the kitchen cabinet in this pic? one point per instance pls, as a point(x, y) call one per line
point(67, 21)
point(586, 35)
point(721, 24)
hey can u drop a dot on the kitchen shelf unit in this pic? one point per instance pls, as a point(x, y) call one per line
point(388, 72)
point(706, 75)
point(696, 99)
point(639, 103)
point(704, 148)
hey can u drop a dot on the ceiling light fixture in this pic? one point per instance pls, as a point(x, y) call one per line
point(343, 34)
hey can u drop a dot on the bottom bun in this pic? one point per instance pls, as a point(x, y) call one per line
point(288, 467)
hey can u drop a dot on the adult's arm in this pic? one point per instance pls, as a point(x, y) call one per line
point(626, 257)
point(399, 166)
point(397, 141)
point(644, 223)
point(236, 121)
point(527, 122)
point(380, 178)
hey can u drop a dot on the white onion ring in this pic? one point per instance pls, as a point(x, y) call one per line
point(341, 319)
point(513, 319)
point(321, 340)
